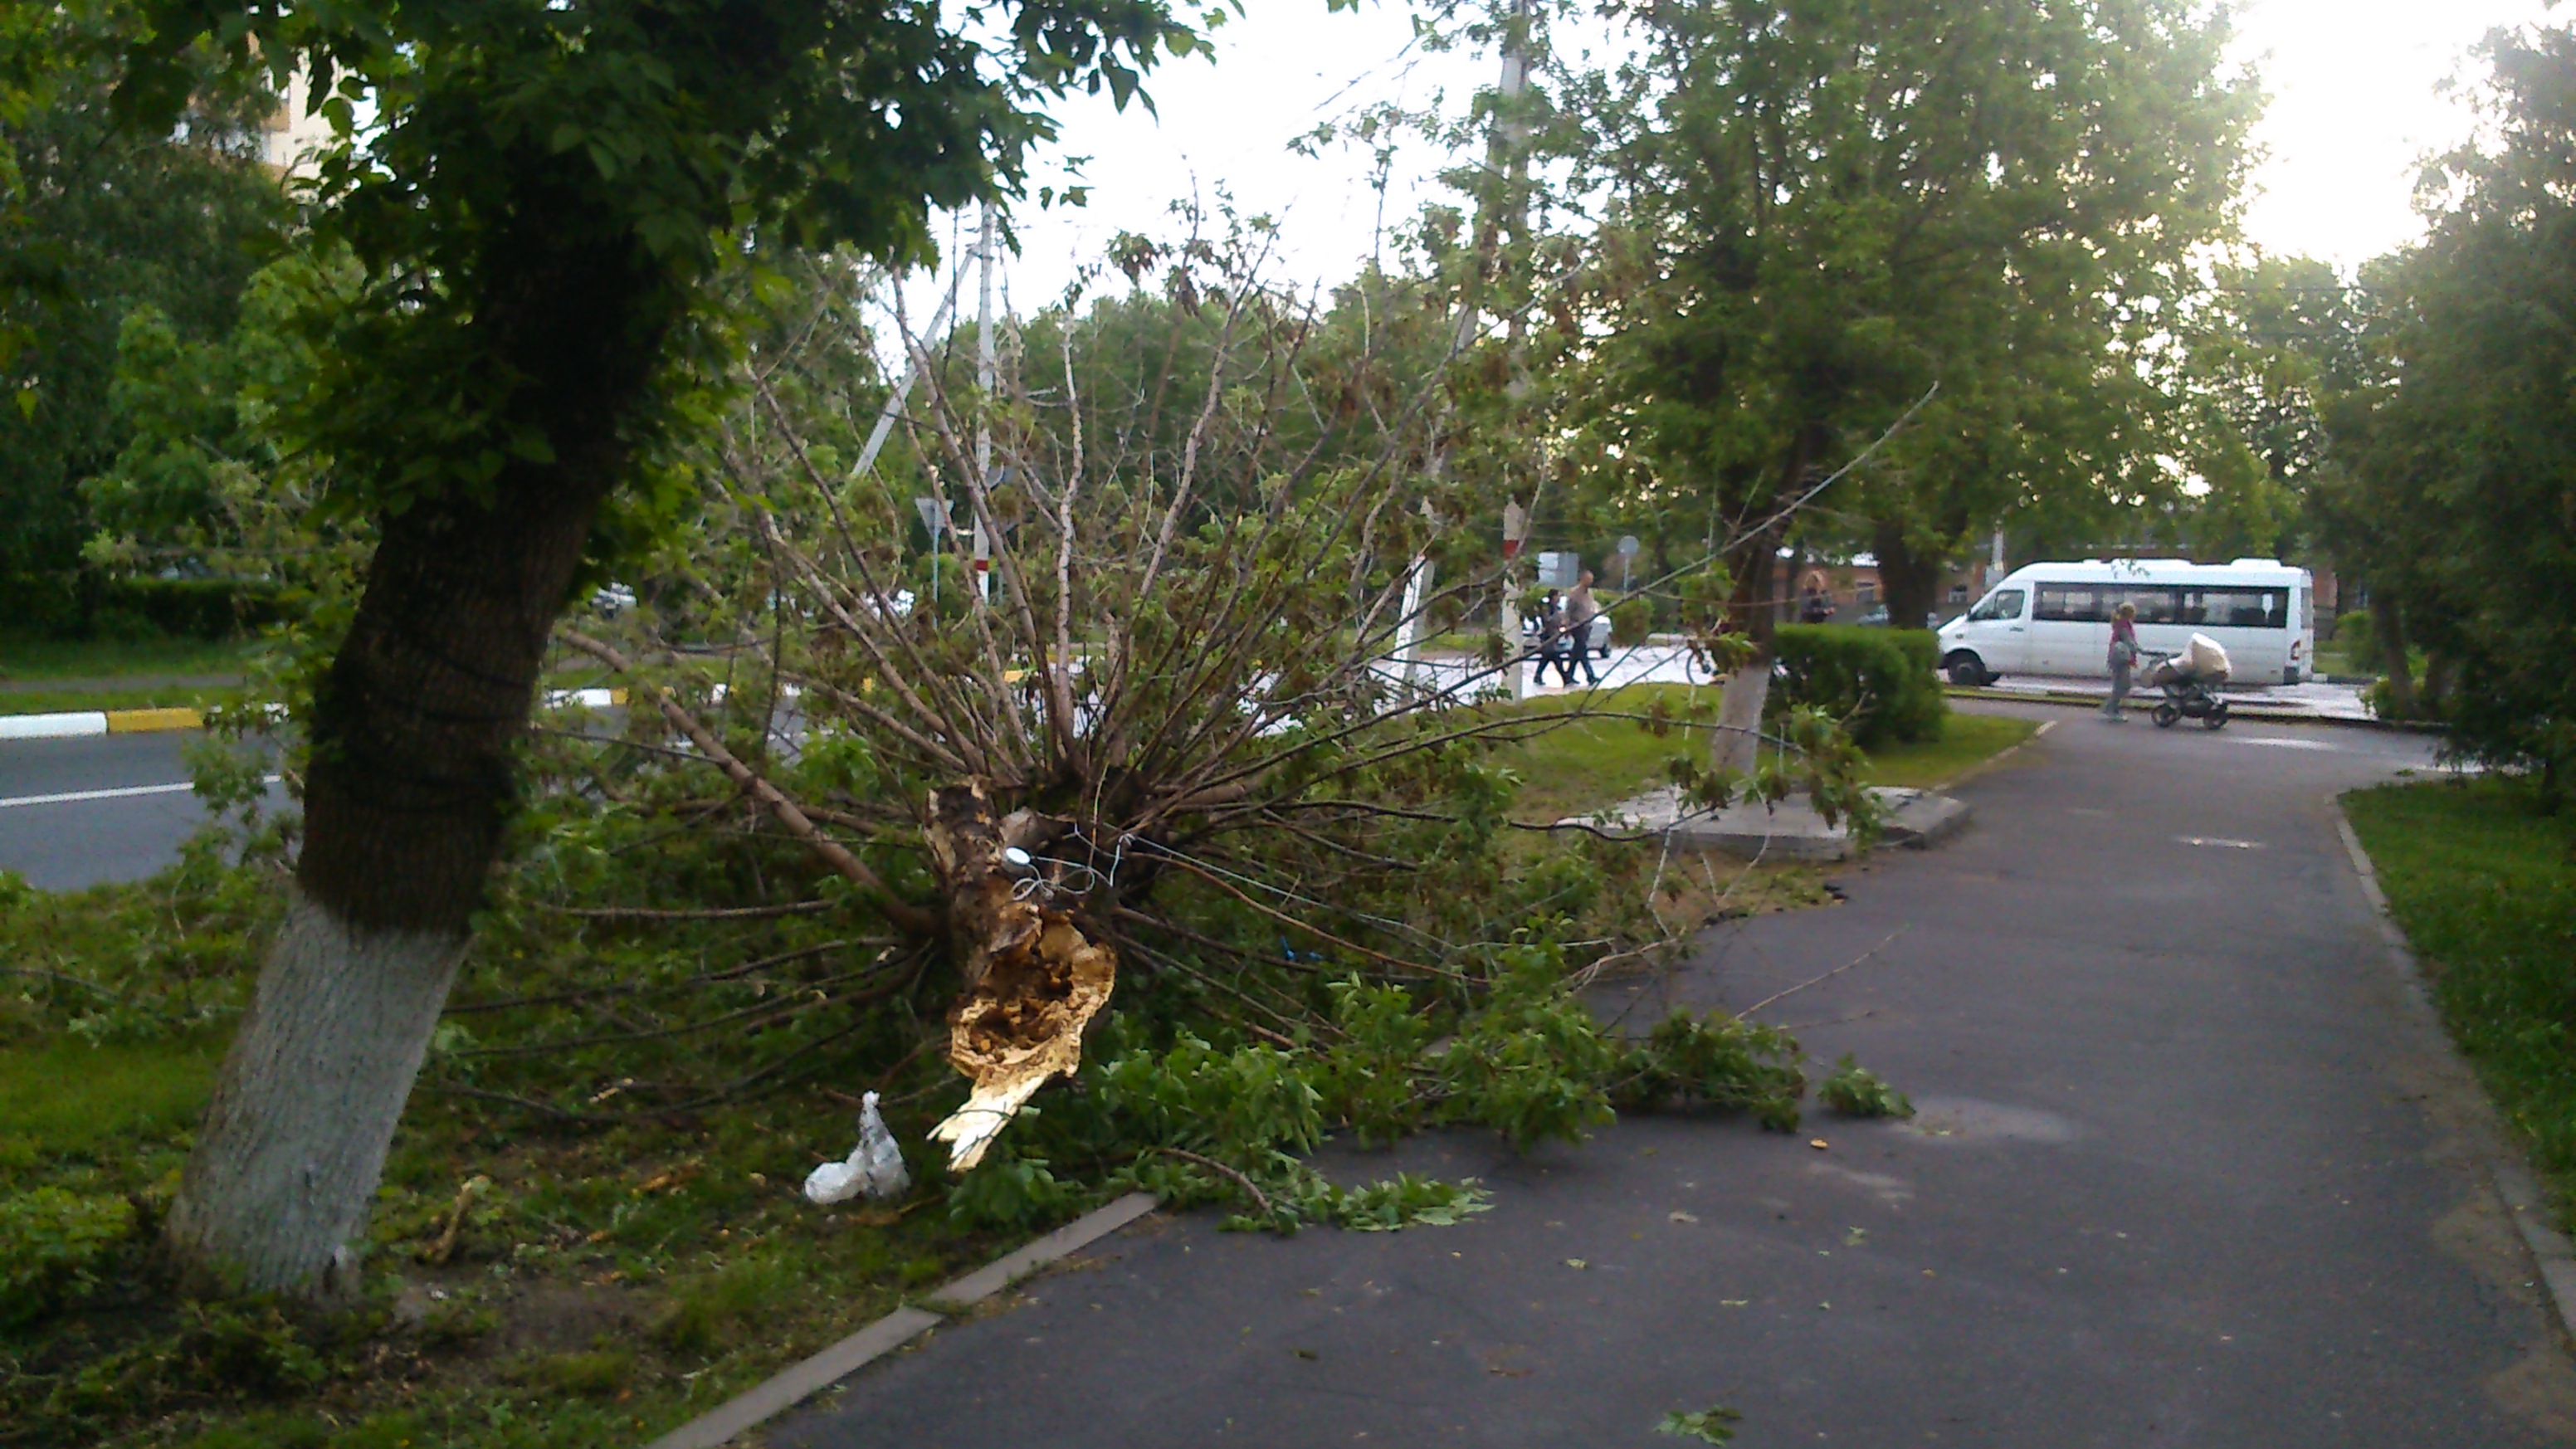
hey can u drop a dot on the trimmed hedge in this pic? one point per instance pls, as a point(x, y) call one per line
point(77, 606)
point(1882, 682)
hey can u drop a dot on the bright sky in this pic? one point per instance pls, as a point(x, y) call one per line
point(2355, 104)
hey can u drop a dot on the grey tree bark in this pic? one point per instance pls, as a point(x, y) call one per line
point(294, 1143)
point(1738, 744)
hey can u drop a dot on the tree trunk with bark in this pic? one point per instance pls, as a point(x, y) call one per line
point(1736, 746)
point(2389, 631)
point(408, 791)
point(1909, 582)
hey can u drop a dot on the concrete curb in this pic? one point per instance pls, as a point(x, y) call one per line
point(787, 1389)
point(82, 723)
point(2524, 1202)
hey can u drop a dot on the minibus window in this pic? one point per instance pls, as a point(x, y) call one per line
point(2001, 604)
point(2070, 604)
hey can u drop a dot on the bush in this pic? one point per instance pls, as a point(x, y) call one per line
point(50, 1241)
point(1632, 619)
point(186, 608)
point(69, 605)
point(2352, 633)
point(1881, 682)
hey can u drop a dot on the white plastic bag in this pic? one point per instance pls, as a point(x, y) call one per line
point(874, 1167)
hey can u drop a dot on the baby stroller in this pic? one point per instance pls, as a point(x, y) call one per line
point(2190, 680)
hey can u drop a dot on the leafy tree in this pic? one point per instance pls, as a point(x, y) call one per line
point(1833, 210)
point(2460, 499)
point(540, 209)
point(96, 222)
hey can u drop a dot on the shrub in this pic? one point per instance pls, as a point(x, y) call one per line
point(1881, 682)
point(1632, 619)
point(2360, 646)
point(50, 1241)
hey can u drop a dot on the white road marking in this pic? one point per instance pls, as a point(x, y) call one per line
point(2282, 744)
point(125, 792)
point(2216, 843)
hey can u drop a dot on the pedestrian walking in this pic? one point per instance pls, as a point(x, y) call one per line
point(2124, 657)
point(1580, 611)
point(1550, 626)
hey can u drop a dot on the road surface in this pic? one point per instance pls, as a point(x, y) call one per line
point(2193, 1167)
point(81, 812)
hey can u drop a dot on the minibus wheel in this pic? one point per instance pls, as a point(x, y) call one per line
point(1968, 671)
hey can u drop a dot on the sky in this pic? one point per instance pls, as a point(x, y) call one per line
point(2355, 105)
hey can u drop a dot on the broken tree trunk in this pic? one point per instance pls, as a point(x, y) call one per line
point(1033, 981)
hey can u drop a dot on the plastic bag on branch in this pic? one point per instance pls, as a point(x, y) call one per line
point(874, 1167)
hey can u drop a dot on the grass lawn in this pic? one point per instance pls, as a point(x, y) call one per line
point(1594, 762)
point(2485, 886)
point(531, 1288)
point(1967, 740)
point(34, 660)
point(63, 701)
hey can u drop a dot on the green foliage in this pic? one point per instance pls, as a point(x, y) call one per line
point(1855, 1091)
point(1368, 1077)
point(1009, 1190)
point(1721, 1061)
point(2358, 642)
point(97, 222)
point(2483, 878)
point(1534, 1063)
point(50, 1243)
point(1785, 279)
point(1712, 1425)
point(1631, 619)
point(2454, 448)
point(1882, 683)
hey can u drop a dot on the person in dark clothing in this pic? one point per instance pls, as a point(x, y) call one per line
point(1580, 610)
point(1550, 625)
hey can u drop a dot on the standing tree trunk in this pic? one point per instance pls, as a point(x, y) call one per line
point(2389, 631)
point(1908, 581)
point(409, 789)
point(1754, 562)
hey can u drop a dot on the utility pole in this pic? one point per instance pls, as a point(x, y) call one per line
point(1507, 159)
point(984, 379)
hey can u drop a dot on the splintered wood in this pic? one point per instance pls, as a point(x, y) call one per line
point(1033, 980)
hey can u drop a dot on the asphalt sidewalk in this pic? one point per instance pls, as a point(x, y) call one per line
point(2193, 1167)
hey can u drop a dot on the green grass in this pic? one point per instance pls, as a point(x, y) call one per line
point(1591, 763)
point(65, 701)
point(2485, 886)
point(41, 659)
point(1967, 740)
point(66, 1098)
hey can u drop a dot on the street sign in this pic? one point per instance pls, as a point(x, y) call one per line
point(934, 512)
point(1628, 546)
point(1556, 570)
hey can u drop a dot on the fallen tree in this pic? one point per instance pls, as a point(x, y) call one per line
point(1170, 752)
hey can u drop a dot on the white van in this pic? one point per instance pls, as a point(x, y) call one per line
point(2055, 618)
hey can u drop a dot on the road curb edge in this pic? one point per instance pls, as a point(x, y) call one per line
point(793, 1385)
point(2551, 1250)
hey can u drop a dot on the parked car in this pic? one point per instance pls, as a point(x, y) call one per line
point(1876, 618)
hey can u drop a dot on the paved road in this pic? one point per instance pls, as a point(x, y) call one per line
point(65, 844)
point(2193, 1168)
point(1672, 664)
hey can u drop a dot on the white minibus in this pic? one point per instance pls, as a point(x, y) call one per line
point(2055, 618)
